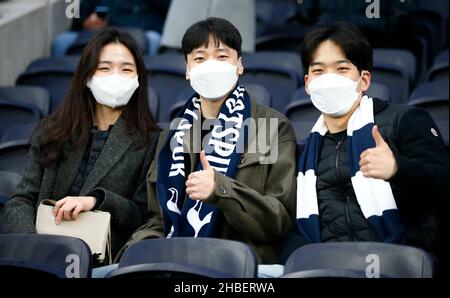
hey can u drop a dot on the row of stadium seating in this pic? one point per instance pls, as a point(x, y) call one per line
point(52, 256)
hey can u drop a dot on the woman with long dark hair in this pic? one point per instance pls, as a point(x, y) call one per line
point(94, 152)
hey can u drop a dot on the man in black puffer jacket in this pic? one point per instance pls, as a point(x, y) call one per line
point(409, 151)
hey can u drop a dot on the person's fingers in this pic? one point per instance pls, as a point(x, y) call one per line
point(77, 211)
point(189, 183)
point(59, 216)
point(195, 196)
point(58, 205)
point(379, 141)
point(67, 214)
point(204, 161)
point(189, 190)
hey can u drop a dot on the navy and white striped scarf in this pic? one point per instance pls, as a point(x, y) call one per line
point(374, 196)
point(194, 218)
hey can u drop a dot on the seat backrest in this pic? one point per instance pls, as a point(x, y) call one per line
point(402, 60)
point(13, 113)
point(396, 69)
point(8, 183)
point(274, 12)
point(432, 96)
point(286, 38)
point(439, 71)
point(53, 74)
point(85, 36)
point(44, 255)
point(29, 94)
point(14, 156)
point(18, 132)
point(302, 110)
point(56, 83)
point(259, 93)
point(279, 72)
point(302, 130)
point(231, 257)
point(442, 57)
point(389, 260)
point(166, 74)
point(380, 91)
point(54, 64)
point(153, 102)
point(284, 60)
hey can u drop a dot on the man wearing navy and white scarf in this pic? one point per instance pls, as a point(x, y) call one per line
point(370, 170)
point(215, 186)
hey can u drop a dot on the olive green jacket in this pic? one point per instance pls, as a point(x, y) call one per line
point(258, 203)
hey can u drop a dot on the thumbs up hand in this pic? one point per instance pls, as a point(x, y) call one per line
point(201, 184)
point(378, 162)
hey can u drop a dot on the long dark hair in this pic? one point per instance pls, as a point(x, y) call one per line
point(71, 123)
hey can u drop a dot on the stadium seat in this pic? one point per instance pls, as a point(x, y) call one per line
point(440, 68)
point(166, 74)
point(164, 125)
point(434, 97)
point(301, 108)
point(358, 259)
point(14, 156)
point(271, 13)
point(259, 93)
point(85, 36)
point(8, 183)
point(153, 102)
point(280, 72)
point(437, 11)
point(396, 69)
point(441, 57)
point(39, 256)
point(14, 112)
point(29, 94)
point(286, 38)
point(175, 109)
point(302, 130)
point(53, 74)
point(18, 132)
point(379, 91)
point(57, 64)
point(187, 257)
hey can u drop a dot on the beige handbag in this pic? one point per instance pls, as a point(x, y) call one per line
point(93, 227)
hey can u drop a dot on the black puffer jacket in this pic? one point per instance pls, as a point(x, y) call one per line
point(341, 218)
point(420, 186)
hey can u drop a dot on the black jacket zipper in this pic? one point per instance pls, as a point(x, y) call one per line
point(347, 205)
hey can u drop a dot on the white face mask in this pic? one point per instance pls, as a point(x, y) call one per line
point(113, 90)
point(333, 94)
point(213, 79)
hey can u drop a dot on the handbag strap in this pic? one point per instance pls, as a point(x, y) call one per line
point(48, 202)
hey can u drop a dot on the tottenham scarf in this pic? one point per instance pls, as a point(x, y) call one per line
point(187, 217)
point(374, 196)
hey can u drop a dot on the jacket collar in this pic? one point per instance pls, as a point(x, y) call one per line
point(378, 105)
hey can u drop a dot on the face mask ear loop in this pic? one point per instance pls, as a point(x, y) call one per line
point(357, 83)
point(237, 65)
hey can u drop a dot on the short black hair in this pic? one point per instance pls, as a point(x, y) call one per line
point(221, 30)
point(348, 37)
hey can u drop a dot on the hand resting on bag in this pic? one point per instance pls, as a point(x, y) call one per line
point(70, 207)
